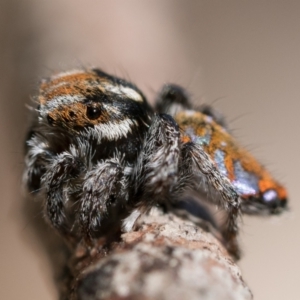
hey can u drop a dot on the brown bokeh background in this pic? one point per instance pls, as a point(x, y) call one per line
point(243, 56)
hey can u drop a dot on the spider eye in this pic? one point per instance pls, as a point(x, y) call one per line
point(93, 112)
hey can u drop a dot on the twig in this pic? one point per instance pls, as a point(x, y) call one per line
point(166, 257)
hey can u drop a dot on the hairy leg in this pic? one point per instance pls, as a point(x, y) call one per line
point(172, 99)
point(37, 157)
point(104, 198)
point(196, 160)
point(156, 172)
point(63, 168)
point(157, 168)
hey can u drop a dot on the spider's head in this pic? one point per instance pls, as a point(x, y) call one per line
point(92, 103)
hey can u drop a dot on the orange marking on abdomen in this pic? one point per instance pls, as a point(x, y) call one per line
point(221, 139)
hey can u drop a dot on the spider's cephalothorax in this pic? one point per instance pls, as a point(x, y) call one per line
point(85, 139)
point(100, 156)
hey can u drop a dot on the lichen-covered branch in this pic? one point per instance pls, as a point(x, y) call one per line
point(164, 258)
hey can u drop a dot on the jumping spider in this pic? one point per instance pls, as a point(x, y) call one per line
point(100, 156)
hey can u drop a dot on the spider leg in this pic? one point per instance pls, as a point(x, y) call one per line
point(197, 160)
point(157, 168)
point(103, 199)
point(37, 157)
point(172, 99)
point(63, 168)
point(192, 207)
point(156, 171)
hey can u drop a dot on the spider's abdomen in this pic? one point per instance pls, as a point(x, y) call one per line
point(250, 179)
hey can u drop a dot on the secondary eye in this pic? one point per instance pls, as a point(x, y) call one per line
point(93, 112)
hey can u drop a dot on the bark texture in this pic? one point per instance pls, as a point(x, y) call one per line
point(164, 258)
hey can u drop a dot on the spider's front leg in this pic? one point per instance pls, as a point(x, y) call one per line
point(195, 159)
point(156, 172)
point(61, 170)
point(157, 168)
point(103, 199)
point(38, 155)
point(49, 173)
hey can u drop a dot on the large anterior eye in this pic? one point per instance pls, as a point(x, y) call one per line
point(93, 112)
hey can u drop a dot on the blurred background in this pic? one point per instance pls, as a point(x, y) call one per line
point(242, 56)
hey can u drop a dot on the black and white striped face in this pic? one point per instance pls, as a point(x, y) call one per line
point(91, 102)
